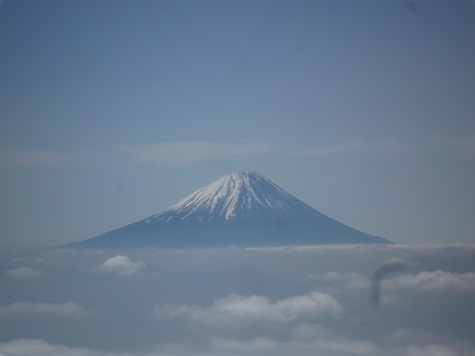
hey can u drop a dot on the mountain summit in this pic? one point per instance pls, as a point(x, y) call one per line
point(239, 209)
point(232, 198)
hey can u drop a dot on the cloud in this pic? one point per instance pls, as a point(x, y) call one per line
point(181, 152)
point(349, 148)
point(54, 309)
point(232, 301)
point(432, 281)
point(419, 342)
point(430, 350)
point(337, 282)
point(318, 346)
point(236, 309)
point(22, 158)
point(23, 273)
point(122, 265)
point(393, 265)
point(318, 337)
point(193, 151)
point(254, 345)
point(38, 347)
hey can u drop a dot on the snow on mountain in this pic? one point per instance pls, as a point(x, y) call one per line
point(231, 198)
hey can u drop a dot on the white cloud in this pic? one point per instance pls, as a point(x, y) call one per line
point(419, 342)
point(318, 346)
point(193, 151)
point(23, 273)
point(324, 346)
point(430, 350)
point(122, 265)
point(434, 281)
point(338, 282)
point(318, 337)
point(254, 345)
point(238, 310)
point(36, 347)
point(54, 309)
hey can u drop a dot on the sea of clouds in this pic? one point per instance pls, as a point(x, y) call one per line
point(233, 301)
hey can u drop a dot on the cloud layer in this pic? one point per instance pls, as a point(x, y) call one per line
point(433, 281)
point(237, 309)
point(23, 273)
point(38, 347)
point(68, 309)
point(231, 301)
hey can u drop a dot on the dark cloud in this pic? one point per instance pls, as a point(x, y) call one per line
point(386, 268)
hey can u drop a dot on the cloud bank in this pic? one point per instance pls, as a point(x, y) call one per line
point(249, 302)
point(38, 347)
point(432, 281)
point(237, 309)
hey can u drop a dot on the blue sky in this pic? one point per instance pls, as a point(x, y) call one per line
point(112, 110)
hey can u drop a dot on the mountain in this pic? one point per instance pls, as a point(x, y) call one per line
point(239, 209)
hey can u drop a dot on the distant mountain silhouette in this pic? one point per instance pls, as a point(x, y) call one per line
point(239, 209)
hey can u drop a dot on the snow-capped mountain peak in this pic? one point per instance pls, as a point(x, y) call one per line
point(233, 196)
point(239, 209)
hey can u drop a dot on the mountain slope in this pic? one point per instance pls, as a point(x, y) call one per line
point(239, 209)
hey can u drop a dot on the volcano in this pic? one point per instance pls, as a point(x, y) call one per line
point(239, 209)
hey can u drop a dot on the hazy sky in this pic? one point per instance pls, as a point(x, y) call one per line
point(112, 110)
